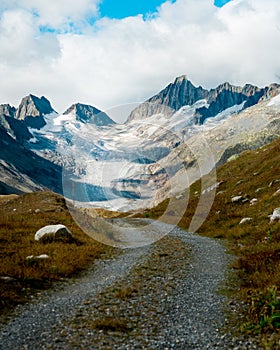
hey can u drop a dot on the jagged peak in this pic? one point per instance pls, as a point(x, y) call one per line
point(88, 113)
point(82, 106)
point(32, 110)
point(33, 106)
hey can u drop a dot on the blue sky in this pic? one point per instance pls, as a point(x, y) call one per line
point(125, 8)
point(221, 3)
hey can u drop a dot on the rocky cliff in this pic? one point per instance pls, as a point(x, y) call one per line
point(89, 114)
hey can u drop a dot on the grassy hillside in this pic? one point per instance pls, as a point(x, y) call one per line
point(20, 218)
point(255, 177)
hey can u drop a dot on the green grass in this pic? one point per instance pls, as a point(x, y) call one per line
point(19, 221)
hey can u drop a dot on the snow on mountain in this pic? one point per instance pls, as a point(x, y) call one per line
point(169, 141)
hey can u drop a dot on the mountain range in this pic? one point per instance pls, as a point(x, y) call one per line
point(168, 142)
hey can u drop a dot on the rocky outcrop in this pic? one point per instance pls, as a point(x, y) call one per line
point(7, 110)
point(268, 134)
point(32, 110)
point(182, 92)
point(89, 114)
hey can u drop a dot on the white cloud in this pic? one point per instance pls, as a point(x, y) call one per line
point(122, 61)
point(21, 42)
point(55, 13)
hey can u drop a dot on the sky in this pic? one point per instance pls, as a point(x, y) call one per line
point(110, 53)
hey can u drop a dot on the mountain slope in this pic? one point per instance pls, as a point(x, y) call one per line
point(246, 194)
point(23, 171)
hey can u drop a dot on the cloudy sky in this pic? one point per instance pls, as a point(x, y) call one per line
point(108, 53)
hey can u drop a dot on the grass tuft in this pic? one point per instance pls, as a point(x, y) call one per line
point(111, 324)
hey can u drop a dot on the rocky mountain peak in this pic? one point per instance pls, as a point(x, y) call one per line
point(86, 113)
point(176, 95)
point(32, 110)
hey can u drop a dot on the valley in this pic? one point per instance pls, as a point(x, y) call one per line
point(206, 161)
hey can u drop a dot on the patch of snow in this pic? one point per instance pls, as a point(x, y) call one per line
point(221, 117)
point(33, 140)
point(275, 101)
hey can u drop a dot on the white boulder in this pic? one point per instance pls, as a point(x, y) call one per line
point(54, 233)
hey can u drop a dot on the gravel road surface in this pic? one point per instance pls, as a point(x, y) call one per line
point(188, 315)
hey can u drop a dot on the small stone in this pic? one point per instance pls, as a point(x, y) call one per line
point(236, 199)
point(245, 220)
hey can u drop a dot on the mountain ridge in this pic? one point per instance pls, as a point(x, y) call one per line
point(182, 92)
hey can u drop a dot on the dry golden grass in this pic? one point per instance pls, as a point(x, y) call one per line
point(109, 323)
point(255, 174)
point(20, 218)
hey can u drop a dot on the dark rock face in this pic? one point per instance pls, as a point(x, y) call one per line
point(176, 95)
point(32, 110)
point(182, 92)
point(88, 114)
point(7, 110)
point(226, 96)
point(16, 128)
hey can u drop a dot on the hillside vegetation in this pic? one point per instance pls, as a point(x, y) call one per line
point(254, 179)
point(20, 218)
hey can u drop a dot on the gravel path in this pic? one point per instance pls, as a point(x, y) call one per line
point(37, 323)
point(185, 315)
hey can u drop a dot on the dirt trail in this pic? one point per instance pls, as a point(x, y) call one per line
point(191, 317)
